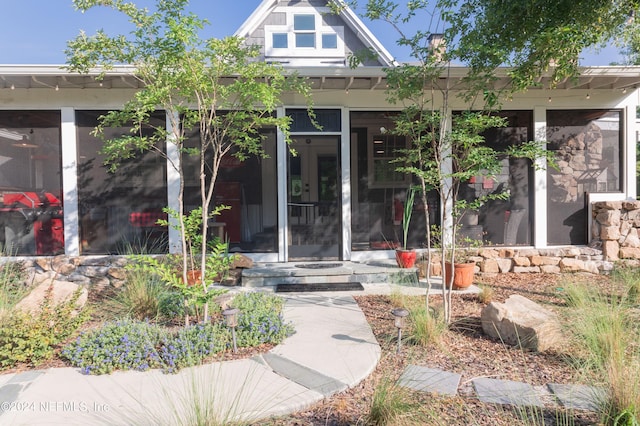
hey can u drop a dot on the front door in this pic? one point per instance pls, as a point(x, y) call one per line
point(313, 192)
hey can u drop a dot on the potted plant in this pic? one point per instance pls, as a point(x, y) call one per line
point(405, 257)
point(462, 268)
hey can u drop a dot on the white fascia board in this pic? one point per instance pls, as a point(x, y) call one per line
point(59, 70)
point(367, 36)
point(254, 20)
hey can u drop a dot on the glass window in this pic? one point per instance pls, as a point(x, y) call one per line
point(305, 40)
point(119, 210)
point(329, 120)
point(587, 146)
point(249, 188)
point(304, 22)
point(329, 41)
point(31, 221)
point(280, 41)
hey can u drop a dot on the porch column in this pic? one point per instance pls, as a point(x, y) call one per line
point(69, 148)
point(540, 181)
point(345, 167)
point(173, 181)
point(281, 153)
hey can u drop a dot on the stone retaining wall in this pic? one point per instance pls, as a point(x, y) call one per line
point(552, 260)
point(614, 229)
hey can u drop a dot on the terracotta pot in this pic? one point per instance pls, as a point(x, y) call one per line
point(462, 274)
point(193, 277)
point(406, 258)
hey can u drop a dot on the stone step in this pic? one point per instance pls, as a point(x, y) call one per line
point(273, 274)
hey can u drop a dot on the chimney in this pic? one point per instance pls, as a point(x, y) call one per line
point(437, 46)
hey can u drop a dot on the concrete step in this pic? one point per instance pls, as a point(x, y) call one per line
point(382, 272)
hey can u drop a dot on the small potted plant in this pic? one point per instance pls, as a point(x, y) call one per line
point(405, 257)
point(462, 268)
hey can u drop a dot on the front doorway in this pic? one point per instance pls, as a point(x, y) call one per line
point(313, 193)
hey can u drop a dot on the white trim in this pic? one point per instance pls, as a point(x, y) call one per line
point(173, 184)
point(69, 154)
point(345, 168)
point(540, 181)
point(281, 158)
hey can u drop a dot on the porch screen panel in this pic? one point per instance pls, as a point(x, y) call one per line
point(31, 209)
point(249, 188)
point(119, 210)
point(587, 145)
point(378, 191)
point(507, 221)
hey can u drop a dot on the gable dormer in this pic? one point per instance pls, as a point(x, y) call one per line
point(305, 33)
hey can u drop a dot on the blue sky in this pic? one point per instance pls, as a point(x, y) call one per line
point(36, 31)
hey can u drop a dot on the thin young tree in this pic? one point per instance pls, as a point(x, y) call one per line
point(218, 87)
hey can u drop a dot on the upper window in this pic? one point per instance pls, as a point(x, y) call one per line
point(280, 41)
point(304, 27)
point(304, 22)
point(329, 41)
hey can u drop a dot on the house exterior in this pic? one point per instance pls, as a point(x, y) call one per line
point(339, 197)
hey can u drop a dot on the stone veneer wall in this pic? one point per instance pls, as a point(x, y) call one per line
point(99, 272)
point(614, 229)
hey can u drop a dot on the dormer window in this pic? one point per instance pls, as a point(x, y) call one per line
point(304, 33)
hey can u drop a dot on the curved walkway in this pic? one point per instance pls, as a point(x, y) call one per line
point(333, 349)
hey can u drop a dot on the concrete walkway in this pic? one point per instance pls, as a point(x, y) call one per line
point(333, 349)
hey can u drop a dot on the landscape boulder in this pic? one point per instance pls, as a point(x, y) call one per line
point(521, 322)
point(61, 292)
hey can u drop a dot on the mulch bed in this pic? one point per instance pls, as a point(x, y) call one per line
point(464, 350)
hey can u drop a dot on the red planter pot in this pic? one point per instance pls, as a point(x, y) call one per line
point(462, 274)
point(406, 258)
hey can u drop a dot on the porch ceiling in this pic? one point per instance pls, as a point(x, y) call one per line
point(321, 78)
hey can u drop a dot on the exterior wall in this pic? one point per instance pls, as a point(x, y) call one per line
point(615, 229)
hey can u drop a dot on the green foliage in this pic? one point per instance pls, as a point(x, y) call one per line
point(135, 345)
point(406, 214)
point(12, 286)
point(391, 403)
point(32, 338)
point(167, 270)
point(529, 35)
point(145, 296)
point(606, 329)
point(260, 320)
point(427, 327)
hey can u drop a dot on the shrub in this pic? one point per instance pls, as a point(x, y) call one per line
point(137, 345)
point(260, 319)
point(27, 337)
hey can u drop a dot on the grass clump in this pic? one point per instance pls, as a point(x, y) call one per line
point(607, 328)
point(145, 296)
point(32, 337)
point(427, 327)
point(391, 404)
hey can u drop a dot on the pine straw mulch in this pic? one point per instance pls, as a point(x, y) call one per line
point(464, 350)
